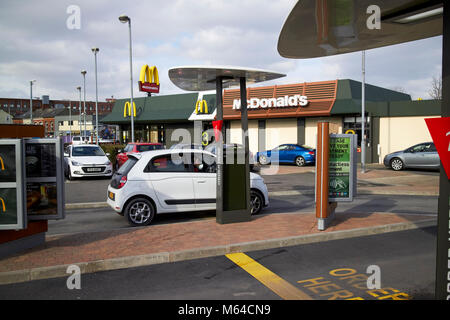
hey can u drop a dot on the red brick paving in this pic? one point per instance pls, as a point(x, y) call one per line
point(86, 247)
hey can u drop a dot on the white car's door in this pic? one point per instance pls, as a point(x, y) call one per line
point(172, 181)
point(204, 181)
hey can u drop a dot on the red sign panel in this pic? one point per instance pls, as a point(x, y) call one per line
point(440, 132)
point(148, 87)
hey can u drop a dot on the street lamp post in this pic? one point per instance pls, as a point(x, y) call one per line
point(125, 19)
point(31, 100)
point(363, 114)
point(83, 72)
point(70, 120)
point(79, 109)
point(95, 50)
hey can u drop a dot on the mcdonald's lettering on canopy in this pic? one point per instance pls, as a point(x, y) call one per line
point(2, 205)
point(199, 107)
point(149, 79)
point(127, 109)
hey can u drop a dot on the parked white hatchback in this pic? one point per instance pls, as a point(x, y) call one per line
point(171, 181)
point(86, 160)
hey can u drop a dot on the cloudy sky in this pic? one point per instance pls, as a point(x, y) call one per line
point(38, 44)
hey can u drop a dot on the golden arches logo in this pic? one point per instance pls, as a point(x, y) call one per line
point(149, 79)
point(2, 164)
point(127, 109)
point(149, 74)
point(3, 205)
point(199, 107)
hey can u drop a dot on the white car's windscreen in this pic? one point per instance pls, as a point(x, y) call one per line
point(87, 152)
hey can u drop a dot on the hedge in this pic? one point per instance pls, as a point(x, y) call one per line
point(112, 150)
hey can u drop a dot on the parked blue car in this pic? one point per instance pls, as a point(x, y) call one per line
point(288, 153)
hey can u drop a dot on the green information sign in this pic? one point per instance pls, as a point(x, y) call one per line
point(342, 168)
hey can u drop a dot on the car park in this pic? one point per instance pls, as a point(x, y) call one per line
point(420, 156)
point(299, 155)
point(176, 180)
point(136, 147)
point(86, 160)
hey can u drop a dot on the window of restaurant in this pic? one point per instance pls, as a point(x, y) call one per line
point(354, 123)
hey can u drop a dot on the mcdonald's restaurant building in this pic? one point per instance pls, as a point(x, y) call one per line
point(285, 114)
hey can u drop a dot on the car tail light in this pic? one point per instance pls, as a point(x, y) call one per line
point(122, 182)
point(311, 153)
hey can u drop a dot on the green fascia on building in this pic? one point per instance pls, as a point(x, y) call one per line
point(380, 102)
point(159, 109)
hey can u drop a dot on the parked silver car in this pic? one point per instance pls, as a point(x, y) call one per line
point(422, 155)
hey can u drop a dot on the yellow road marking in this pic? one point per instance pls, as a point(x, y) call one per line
point(272, 281)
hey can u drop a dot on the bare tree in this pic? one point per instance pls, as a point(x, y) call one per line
point(436, 88)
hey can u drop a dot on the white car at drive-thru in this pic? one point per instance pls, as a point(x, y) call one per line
point(86, 160)
point(171, 181)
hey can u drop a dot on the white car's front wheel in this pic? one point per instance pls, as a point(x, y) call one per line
point(139, 212)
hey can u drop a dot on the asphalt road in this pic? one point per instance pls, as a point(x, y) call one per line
point(94, 189)
point(103, 219)
point(327, 270)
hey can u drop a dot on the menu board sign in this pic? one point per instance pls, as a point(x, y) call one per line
point(45, 179)
point(40, 159)
point(342, 168)
point(12, 192)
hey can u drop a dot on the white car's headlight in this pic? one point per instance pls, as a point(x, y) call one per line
point(107, 163)
point(74, 163)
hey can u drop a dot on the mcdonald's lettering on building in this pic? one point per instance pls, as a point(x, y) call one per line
point(149, 79)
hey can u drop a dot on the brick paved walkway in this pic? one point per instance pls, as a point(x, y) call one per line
point(86, 247)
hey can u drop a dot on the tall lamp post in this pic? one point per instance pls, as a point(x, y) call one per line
point(363, 114)
point(70, 120)
point(79, 108)
point(95, 50)
point(83, 72)
point(31, 100)
point(125, 19)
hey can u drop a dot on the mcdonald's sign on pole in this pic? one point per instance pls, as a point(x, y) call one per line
point(149, 79)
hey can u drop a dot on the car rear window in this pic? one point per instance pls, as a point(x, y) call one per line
point(127, 166)
point(123, 171)
point(128, 148)
point(143, 148)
